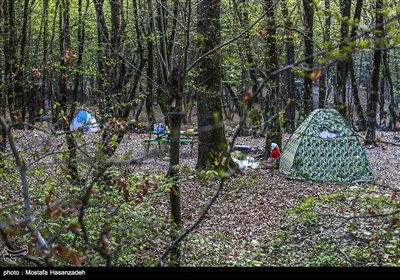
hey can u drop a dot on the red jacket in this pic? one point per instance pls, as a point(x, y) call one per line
point(275, 153)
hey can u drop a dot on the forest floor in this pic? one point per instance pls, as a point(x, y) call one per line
point(241, 225)
point(250, 206)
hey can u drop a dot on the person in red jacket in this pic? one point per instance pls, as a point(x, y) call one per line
point(273, 157)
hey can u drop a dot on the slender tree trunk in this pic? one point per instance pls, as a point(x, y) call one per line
point(382, 116)
point(10, 56)
point(341, 81)
point(20, 82)
point(149, 83)
point(373, 100)
point(323, 80)
point(236, 101)
point(242, 10)
point(272, 122)
point(103, 58)
point(354, 85)
point(81, 44)
point(308, 6)
point(65, 62)
point(354, 88)
point(175, 113)
point(3, 92)
point(290, 82)
point(392, 105)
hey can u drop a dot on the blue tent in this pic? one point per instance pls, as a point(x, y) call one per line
point(85, 121)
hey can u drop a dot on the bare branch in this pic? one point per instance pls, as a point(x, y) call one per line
point(25, 188)
point(173, 16)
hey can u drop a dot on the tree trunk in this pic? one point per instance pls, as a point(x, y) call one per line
point(382, 117)
point(323, 80)
point(149, 83)
point(392, 105)
point(81, 44)
point(175, 114)
point(290, 82)
point(10, 56)
point(65, 62)
point(271, 114)
point(103, 60)
point(3, 99)
point(20, 81)
point(362, 125)
point(238, 105)
point(341, 81)
point(373, 100)
point(242, 10)
point(308, 6)
point(354, 85)
point(212, 139)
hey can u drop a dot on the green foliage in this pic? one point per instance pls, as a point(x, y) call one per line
point(354, 226)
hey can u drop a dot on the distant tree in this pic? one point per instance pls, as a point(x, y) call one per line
point(373, 99)
point(324, 85)
point(341, 81)
point(272, 108)
point(354, 83)
point(308, 6)
point(289, 75)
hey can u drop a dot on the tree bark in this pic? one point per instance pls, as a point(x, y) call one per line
point(175, 114)
point(212, 139)
point(354, 85)
point(392, 105)
point(65, 62)
point(3, 100)
point(324, 83)
point(290, 82)
point(81, 45)
point(242, 8)
point(382, 116)
point(373, 100)
point(150, 75)
point(272, 122)
point(10, 56)
point(308, 6)
point(341, 81)
point(362, 125)
point(20, 82)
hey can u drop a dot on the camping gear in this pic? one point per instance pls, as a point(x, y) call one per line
point(85, 121)
point(325, 148)
point(159, 127)
point(249, 162)
point(242, 148)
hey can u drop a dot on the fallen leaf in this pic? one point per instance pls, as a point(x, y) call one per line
point(47, 200)
point(393, 196)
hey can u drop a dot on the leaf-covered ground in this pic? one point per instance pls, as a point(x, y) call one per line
point(260, 219)
point(238, 229)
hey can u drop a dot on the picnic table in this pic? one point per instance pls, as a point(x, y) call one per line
point(165, 137)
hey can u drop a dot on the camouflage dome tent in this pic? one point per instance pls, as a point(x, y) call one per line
point(325, 148)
